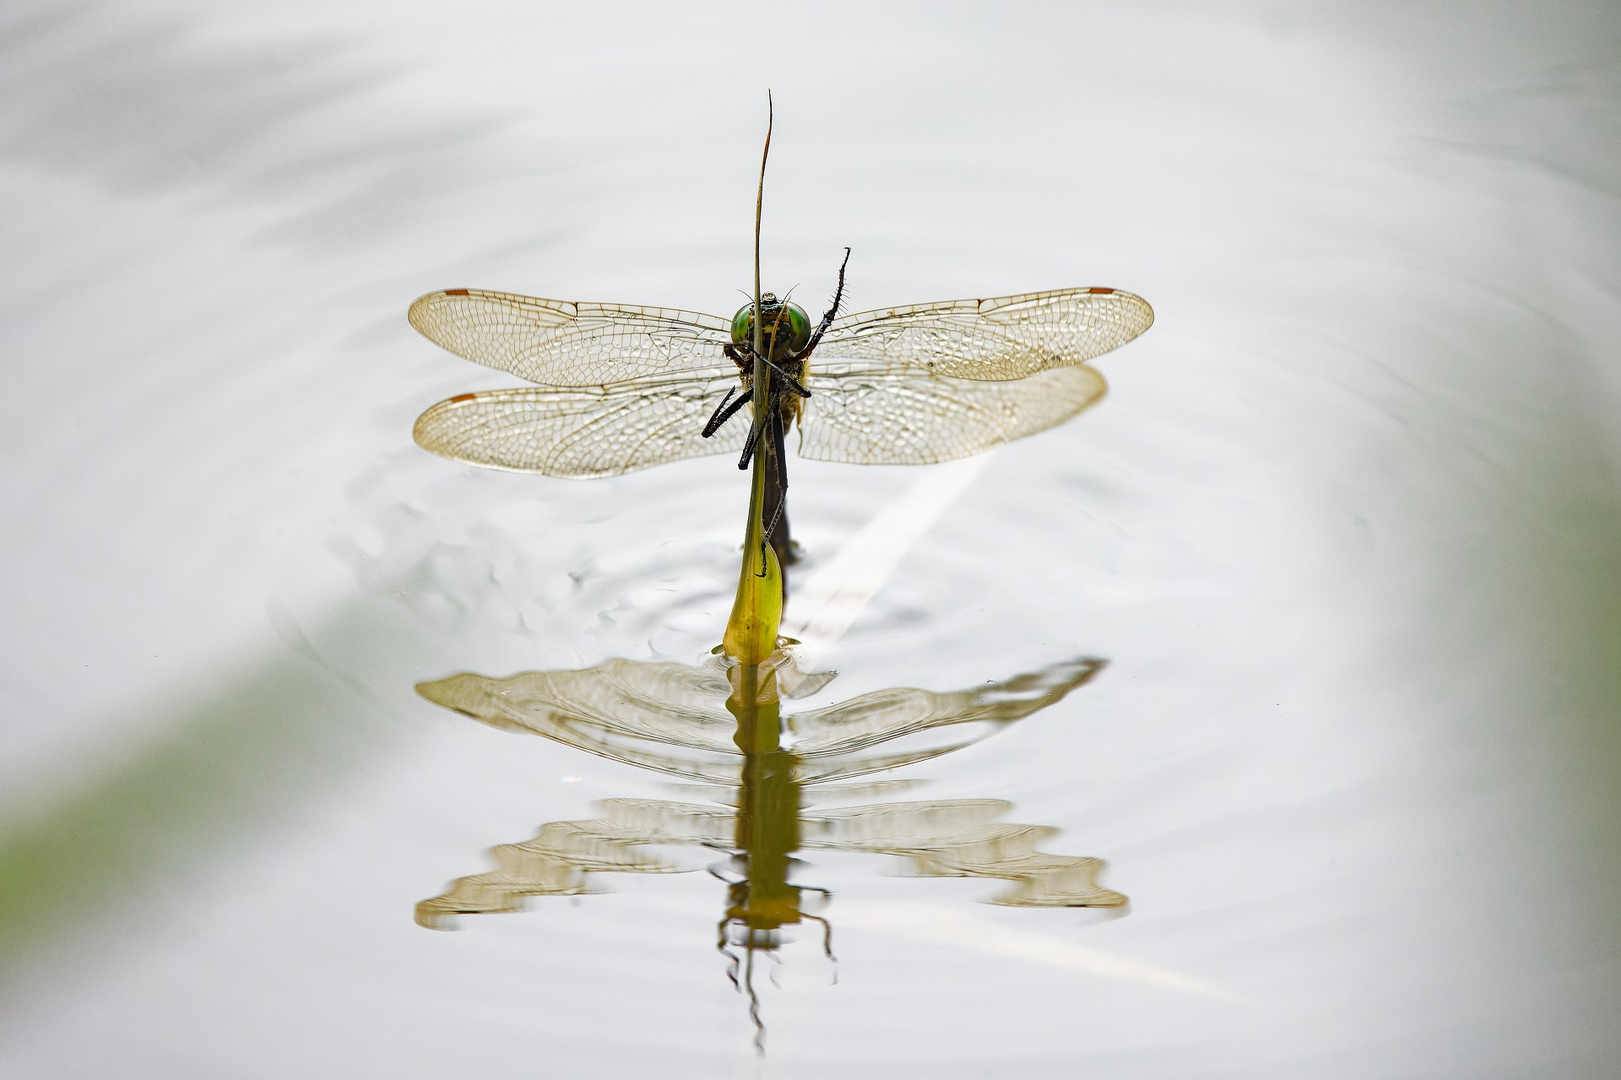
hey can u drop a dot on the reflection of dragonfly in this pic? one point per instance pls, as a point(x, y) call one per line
point(764, 797)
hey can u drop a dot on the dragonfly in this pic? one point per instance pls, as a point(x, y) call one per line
point(622, 387)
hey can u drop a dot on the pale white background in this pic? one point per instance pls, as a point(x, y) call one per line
point(1346, 527)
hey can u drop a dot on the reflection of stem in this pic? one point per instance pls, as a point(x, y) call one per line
point(767, 827)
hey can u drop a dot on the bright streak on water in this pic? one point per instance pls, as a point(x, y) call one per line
point(943, 925)
point(823, 606)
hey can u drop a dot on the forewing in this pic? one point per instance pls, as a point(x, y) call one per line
point(558, 343)
point(1006, 337)
point(583, 433)
point(864, 416)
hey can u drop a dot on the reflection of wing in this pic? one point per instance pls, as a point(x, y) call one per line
point(667, 717)
point(580, 433)
point(557, 343)
point(1007, 337)
point(965, 838)
point(864, 416)
point(562, 856)
point(882, 716)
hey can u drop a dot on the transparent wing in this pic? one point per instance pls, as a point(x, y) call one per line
point(861, 415)
point(557, 343)
point(1006, 337)
point(582, 433)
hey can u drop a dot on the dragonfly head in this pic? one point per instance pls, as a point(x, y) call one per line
point(786, 329)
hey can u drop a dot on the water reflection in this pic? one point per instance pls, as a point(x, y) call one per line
point(764, 785)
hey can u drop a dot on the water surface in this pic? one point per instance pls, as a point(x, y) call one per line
point(1343, 530)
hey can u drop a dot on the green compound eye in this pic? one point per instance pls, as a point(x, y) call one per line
point(798, 328)
point(794, 327)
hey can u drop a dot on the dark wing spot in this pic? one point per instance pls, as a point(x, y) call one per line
point(462, 397)
point(1096, 291)
point(463, 292)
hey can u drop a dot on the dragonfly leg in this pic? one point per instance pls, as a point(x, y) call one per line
point(723, 412)
point(778, 446)
point(793, 384)
point(776, 485)
point(832, 312)
point(749, 447)
point(776, 532)
point(715, 421)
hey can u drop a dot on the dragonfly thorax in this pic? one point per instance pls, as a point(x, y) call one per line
point(786, 328)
